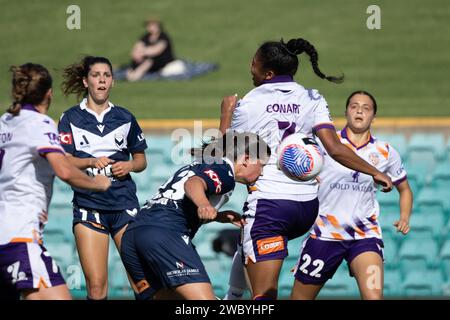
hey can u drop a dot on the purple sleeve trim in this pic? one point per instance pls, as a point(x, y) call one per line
point(324, 126)
point(44, 151)
point(396, 183)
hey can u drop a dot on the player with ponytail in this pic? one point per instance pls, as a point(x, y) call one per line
point(279, 209)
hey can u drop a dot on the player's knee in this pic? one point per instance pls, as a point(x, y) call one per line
point(98, 290)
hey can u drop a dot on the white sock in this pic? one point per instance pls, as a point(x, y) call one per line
point(237, 282)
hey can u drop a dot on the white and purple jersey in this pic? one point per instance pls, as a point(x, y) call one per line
point(274, 110)
point(26, 177)
point(115, 134)
point(348, 207)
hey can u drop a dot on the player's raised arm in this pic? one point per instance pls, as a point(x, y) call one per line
point(348, 158)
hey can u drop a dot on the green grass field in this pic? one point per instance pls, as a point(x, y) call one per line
point(405, 64)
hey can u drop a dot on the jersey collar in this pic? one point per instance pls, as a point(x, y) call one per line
point(29, 107)
point(345, 136)
point(276, 79)
point(83, 106)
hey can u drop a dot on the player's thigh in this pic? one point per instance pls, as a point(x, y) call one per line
point(367, 268)
point(263, 277)
point(196, 291)
point(301, 291)
point(92, 249)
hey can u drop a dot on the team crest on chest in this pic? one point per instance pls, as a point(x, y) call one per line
point(374, 158)
point(119, 139)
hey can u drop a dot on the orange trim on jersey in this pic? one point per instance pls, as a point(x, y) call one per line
point(42, 283)
point(334, 221)
point(383, 152)
point(337, 236)
point(25, 240)
point(376, 230)
point(359, 231)
point(14, 240)
point(252, 188)
point(319, 221)
point(348, 145)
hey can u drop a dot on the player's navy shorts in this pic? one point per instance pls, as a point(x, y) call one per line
point(27, 265)
point(271, 223)
point(103, 221)
point(319, 259)
point(158, 258)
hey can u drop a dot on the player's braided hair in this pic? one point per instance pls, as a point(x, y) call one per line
point(281, 57)
point(30, 83)
point(73, 75)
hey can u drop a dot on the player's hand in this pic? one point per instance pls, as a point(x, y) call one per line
point(402, 226)
point(102, 182)
point(100, 163)
point(228, 104)
point(121, 168)
point(206, 212)
point(230, 216)
point(384, 181)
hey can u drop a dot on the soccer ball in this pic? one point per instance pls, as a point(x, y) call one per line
point(299, 157)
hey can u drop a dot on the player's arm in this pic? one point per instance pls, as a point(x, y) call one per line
point(195, 189)
point(229, 216)
point(406, 201)
point(155, 49)
point(138, 163)
point(73, 176)
point(226, 112)
point(84, 163)
point(348, 158)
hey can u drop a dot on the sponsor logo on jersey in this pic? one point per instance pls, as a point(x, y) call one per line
point(215, 178)
point(270, 245)
point(355, 176)
point(185, 238)
point(100, 127)
point(180, 265)
point(52, 138)
point(5, 137)
point(141, 137)
point(65, 138)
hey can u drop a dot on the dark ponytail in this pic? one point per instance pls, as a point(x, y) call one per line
point(30, 83)
point(73, 75)
point(281, 58)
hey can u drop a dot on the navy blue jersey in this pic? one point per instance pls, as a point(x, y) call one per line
point(171, 208)
point(113, 134)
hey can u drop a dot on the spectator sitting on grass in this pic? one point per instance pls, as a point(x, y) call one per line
point(151, 53)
